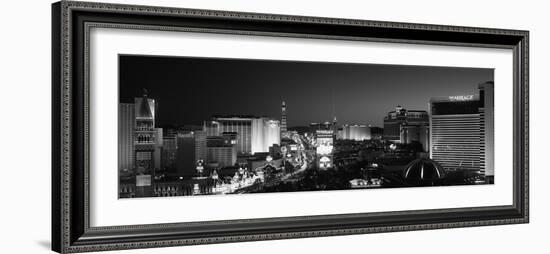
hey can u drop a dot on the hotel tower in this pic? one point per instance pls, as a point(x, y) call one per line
point(462, 132)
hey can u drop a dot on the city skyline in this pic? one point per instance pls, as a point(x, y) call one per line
point(190, 90)
point(438, 125)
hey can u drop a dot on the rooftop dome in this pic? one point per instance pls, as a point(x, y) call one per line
point(423, 172)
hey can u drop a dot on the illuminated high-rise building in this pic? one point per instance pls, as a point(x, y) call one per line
point(145, 134)
point(126, 124)
point(340, 133)
point(334, 127)
point(144, 144)
point(461, 131)
point(200, 145)
point(240, 125)
point(399, 117)
point(313, 127)
point(283, 117)
point(212, 128)
point(487, 115)
point(325, 144)
point(230, 138)
point(221, 150)
point(254, 134)
point(357, 132)
point(159, 143)
point(271, 135)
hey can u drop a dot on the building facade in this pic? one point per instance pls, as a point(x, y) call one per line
point(283, 118)
point(145, 138)
point(212, 128)
point(324, 149)
point(415, 133)
point(254, 134)
point(357, 132)
point(313, 127)
point(487, 115)
point(126, 124)
point(169, 152)
point(461, 131)
point(185, 155)
point(157, 154)
point(399, 117)
point(222, 150)
point(271, 135)
point(223, 156)
point(200, 145)
point(191, 148)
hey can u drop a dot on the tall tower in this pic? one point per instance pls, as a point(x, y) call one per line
point(334, 126)
point(334, 121)
point(461, 132)
point(283, 117)
point(144, 144)
point(126, 126)
point(487, 116)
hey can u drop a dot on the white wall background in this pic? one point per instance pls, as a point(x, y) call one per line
point(25, 125)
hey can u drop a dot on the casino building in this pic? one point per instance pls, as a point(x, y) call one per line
point(324, 149)
point(190, 148)
point(254, 134)
point(462, 131)
point(357, 132)
point(402, 120)
point(410, 133)
point(147, 144)
point(221, 150)
point(126, 125)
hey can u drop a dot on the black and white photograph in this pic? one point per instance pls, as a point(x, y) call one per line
point(229, 127)
point(192, 126)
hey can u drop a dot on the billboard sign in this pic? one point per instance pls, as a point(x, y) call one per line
point(143, 180)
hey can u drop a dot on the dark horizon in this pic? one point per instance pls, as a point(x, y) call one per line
point(189, 90)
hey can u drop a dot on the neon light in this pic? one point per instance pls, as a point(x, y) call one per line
point(461, 98)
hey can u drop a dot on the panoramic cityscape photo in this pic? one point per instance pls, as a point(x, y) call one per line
point(212, 126)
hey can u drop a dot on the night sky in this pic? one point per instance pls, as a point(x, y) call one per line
point(190, 90)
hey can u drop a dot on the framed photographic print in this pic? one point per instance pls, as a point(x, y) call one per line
point(181, 126)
